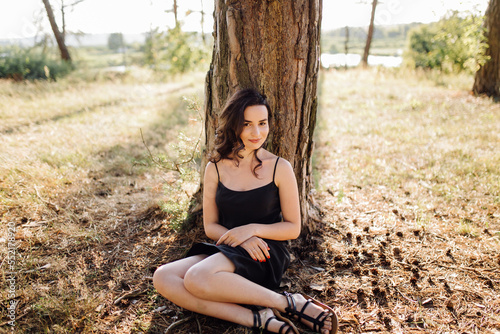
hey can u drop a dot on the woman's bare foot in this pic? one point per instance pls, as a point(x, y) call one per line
point(274, 325)
point(314, 311)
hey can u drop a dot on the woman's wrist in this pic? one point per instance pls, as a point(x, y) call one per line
point(256, 230)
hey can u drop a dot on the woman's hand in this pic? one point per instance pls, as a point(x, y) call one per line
point(256, 248)
point(236, 236)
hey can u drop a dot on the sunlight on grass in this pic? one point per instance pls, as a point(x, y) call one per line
point(438, 145)
point(68, 148)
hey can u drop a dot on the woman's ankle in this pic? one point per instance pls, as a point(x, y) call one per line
point(280, 303)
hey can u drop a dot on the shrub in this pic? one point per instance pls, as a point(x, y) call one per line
point(175, 51)
point(182, 164)
point(453, 44)
point(115, 41)
point(26, 64)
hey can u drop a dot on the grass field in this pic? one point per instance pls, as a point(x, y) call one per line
point(407, 173)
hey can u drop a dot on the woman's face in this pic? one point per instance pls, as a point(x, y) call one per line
point(255, 127)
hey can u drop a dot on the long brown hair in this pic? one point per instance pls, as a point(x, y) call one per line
point(228, 143)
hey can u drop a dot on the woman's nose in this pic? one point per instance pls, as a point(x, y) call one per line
point(255, 130)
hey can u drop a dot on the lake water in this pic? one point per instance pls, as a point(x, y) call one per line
point(352, 60)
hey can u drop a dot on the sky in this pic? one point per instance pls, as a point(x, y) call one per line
point(24, 18)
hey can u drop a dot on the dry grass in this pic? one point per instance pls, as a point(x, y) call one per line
point(407, 173)
point(436, 146)
point(75, 180)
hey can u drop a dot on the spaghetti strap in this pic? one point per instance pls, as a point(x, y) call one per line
point(275, 165)
point(217, 169)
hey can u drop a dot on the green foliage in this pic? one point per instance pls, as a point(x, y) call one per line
point(453, 44)
point(31, 64)
point(175, 50)
point(115, 41)
point(182, 163)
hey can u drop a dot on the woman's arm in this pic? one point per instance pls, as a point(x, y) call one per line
point(213, 229)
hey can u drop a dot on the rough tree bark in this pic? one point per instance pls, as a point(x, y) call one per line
point(272, 46)
point(487, 80)
point(369, 38)
point(58, 35)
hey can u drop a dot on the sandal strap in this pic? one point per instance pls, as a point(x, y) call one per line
point(291, 309)
point(257, 322)
point(283, 326)
point(288, 330)
point(304, 316)
point(318, 324)
point(268, 321)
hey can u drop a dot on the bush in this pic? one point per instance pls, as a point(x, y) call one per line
point(453, 44)
point(25, 64)
point(176, 51)
point(115, 41)
point(181, 162)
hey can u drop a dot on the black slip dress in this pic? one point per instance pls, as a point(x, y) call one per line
point(236, 208)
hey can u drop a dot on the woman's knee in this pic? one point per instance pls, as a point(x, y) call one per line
point(166, 280)
point(168, 277)
point(196, 280)
point(160, 275)
point(199, 279)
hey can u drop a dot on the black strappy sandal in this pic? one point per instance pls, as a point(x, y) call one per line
point(319, 321)
point(257, 324)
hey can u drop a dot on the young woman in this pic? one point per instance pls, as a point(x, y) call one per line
point(250, 208)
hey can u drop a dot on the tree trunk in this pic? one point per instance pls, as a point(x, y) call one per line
point(487, 80)
point(272, 46)
point(371, 29)
point(63, 19)
point(59, 37)
point(346, 45)
point(175, 13)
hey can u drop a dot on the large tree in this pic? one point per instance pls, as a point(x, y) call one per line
point(272, 46)
point(487, 80)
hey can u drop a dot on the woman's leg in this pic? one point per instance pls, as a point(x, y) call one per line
point(214, 279)
point(208, 285)
point(169, 282)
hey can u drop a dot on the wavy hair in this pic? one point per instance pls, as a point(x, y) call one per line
point(228, 143)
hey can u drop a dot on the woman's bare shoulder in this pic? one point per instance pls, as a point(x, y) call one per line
point(285, 164)
point(284, 171)
point(211, 171)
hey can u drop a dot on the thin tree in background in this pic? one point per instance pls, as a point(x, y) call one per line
point(371, 29)
point(63, 14)
point(174, 10)
point(57, 33)
point(346, 45)
point(487, 79)
point(202, 12)
point(272, 46)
